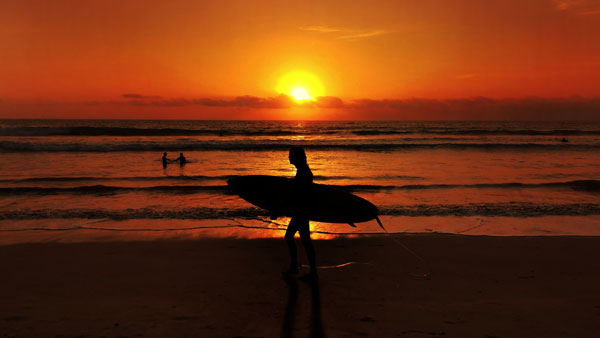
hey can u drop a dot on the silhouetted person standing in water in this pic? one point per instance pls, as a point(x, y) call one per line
point(165, 160)
point(181, 159)
point(299, 222)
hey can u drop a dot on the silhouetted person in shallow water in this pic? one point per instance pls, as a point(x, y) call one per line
point(165, 160)
point(181, 159)
point(299, 222)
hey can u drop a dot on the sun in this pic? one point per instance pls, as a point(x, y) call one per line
point(301, 85)
point(300, 94)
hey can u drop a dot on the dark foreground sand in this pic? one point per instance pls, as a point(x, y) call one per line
point(480, 287)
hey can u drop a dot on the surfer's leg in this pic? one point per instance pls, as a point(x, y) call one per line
point(289, 239)
point(304, 229)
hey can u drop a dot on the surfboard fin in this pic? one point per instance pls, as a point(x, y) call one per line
point(352, 225)
point(380, 224)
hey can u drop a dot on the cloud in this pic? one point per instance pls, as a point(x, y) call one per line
point(329, 102)
point(346, 34)
point(563, 5)
point(247, 101)
point(476, 108)
point(326, 107)
point(590, 12)
point(281, 101)
point(364, 35)
point(278, 102)
point(140, 96)
point(579, 7)
point(481, 108)
point(321, 29)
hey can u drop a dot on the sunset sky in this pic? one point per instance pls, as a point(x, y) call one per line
point(419, 59)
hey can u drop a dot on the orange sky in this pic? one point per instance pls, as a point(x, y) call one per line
point(78, 58)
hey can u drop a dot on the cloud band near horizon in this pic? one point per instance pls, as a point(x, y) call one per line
point(476, 108)
point(486, 107)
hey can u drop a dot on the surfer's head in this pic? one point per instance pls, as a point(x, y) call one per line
point(297, 156)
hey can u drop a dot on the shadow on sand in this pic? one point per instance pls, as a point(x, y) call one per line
point(289, 318)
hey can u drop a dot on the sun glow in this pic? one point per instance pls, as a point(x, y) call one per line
point(300, 85)
point(300, 94)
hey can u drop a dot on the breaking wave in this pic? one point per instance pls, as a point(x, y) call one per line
point(580, 185)
point(271, 131)
point(196, 145)
point(121, 131)
point(104, 189)
point(510, 209)
point(116, 178)
point(60, 179)
point(478, 132)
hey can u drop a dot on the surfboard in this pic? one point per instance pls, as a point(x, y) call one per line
point(319, 202)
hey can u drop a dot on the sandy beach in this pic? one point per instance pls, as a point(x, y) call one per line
point(479, 287)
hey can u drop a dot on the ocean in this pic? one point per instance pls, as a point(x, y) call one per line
point(80, 180)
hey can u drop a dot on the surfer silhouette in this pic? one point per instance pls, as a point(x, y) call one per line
point(165, 160)
point(299, 222)
point(181, 159)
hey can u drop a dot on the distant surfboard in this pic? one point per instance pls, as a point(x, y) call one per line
point(321, 203)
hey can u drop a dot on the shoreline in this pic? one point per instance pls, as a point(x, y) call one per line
point(107, 230)
point(480, 286)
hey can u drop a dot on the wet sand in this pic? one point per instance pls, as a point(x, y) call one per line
point(479, 287)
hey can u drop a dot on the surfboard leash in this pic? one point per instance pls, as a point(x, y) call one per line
point(428, 273)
